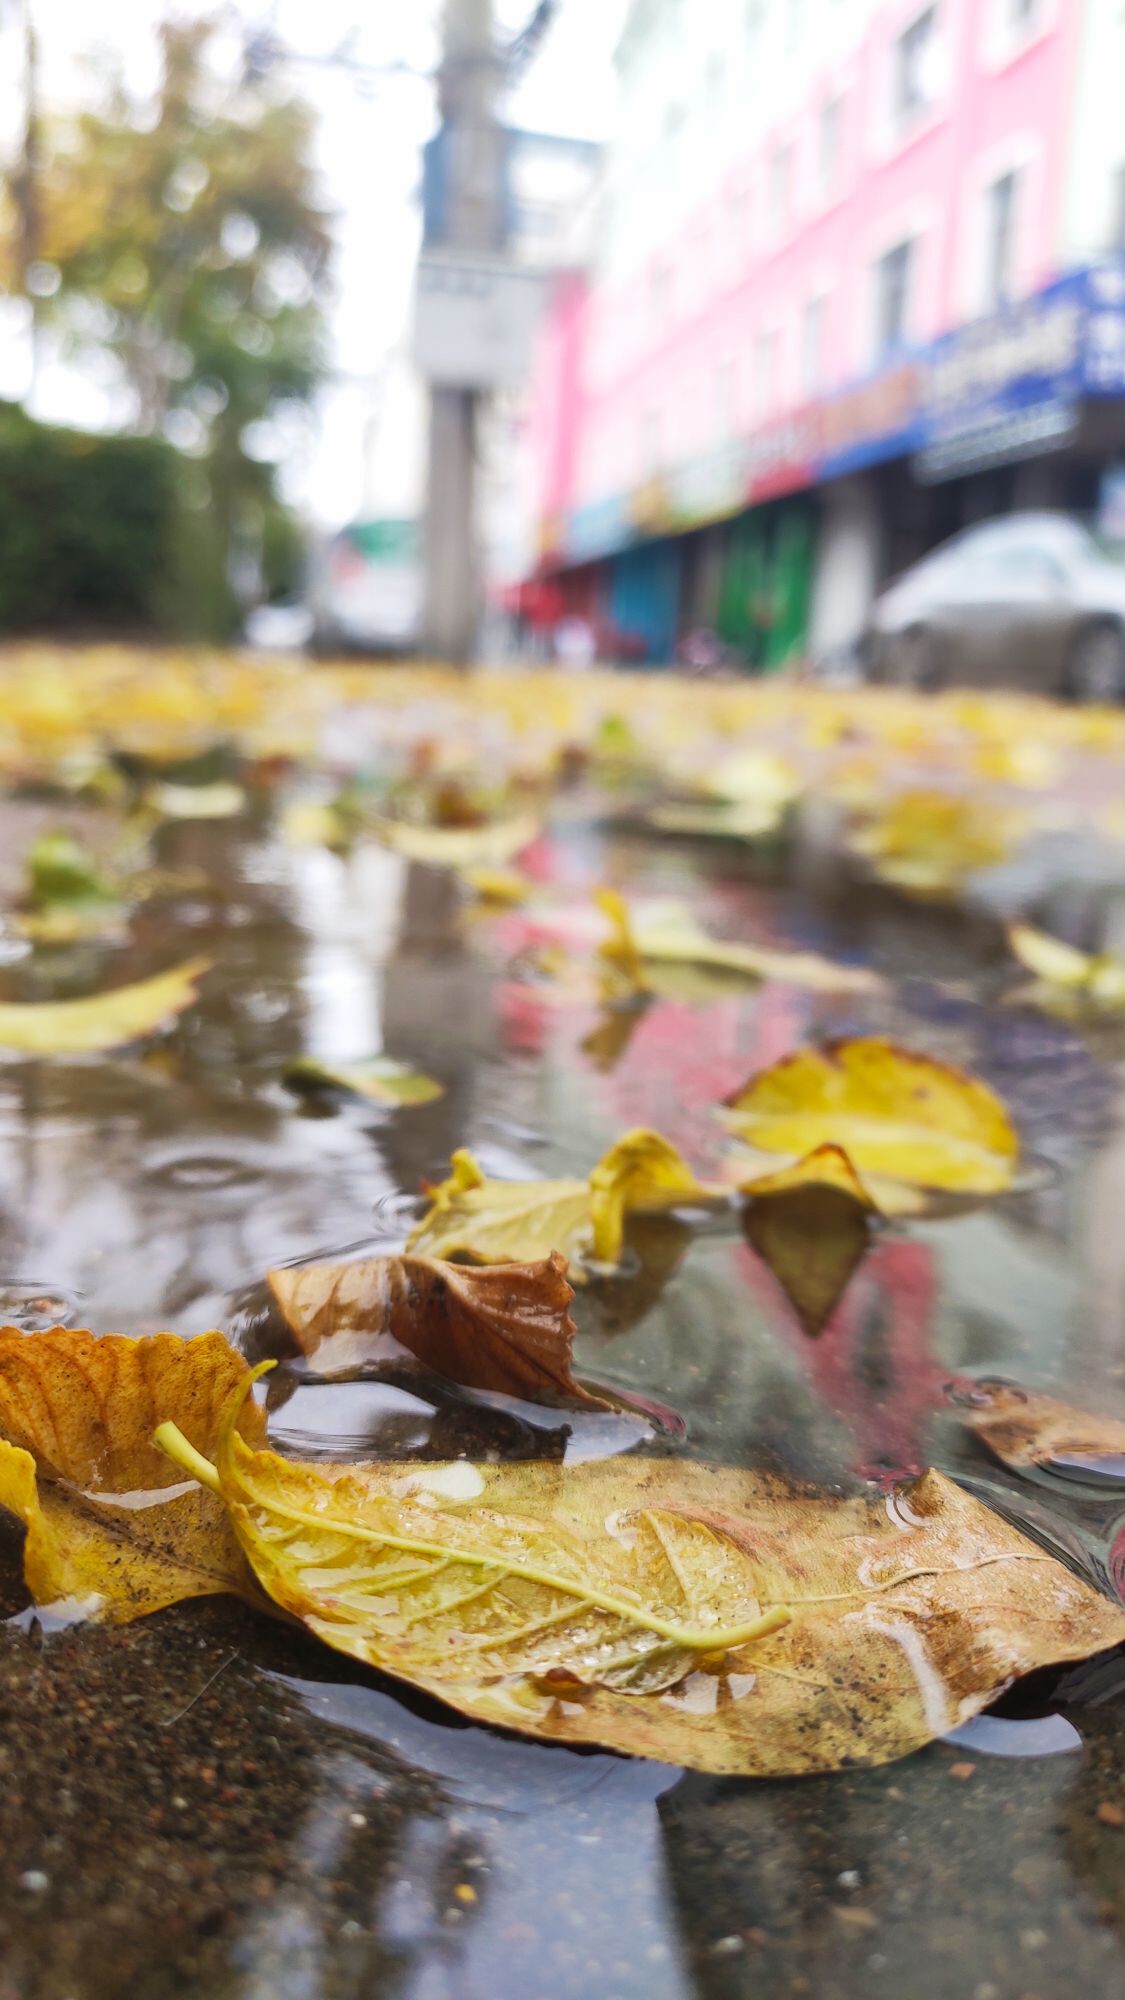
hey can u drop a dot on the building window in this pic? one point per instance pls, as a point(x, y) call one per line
point(893, 273)
point(1000, 240)
point(828, 145)
point(812, 346)
point(914, 87)
point(781, 191)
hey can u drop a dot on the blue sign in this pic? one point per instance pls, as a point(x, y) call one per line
point(1006, 387)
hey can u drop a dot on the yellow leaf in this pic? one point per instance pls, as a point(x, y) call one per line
point(218, 801)
point(707, 1616)
point(506, 886)
point(754, 777)
point(1097, 977)
point(109, 1528)
point(930, 841)
point(379, 1078)
point(811, 1223)
point(670, 936)
point(500, 1222)
point(458, 846)
point(894, 1111)
point(506, 1328)
point(640, 1174)
point(105, 1020)
point(747, 820)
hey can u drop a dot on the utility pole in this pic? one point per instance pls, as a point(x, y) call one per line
point(471, 220)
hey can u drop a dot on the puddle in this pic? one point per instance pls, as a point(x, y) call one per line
point(224, 1811)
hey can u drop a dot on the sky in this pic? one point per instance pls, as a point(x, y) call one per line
point(363, 448)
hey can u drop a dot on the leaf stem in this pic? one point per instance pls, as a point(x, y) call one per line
point(169, 1438)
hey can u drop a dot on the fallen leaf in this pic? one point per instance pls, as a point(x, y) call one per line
point(748, 820)
point(109, 1527)
point(640, 945)
point(506, 1327)
point(894, 1112)
point(457, 846)
point(505, 886)
point(702, 1615)
point(320, 823)
point(218, 801)
point(931, 841)
point(501, 1222)
point(380, 1078)
point(1025, 1430)
point(1096, 978)
point(105, 1020)
point(811, 1223)
point(61, 870)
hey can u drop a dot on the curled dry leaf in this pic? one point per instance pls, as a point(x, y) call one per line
point(105, 1020)
point(501, 1222)
point(1094, 979)
point(379, 1078)
point(643, 945)
point(698, 1614)
point(489, 845)
point(895, 1112)
point(1026, 1430)
point(811, 1223)
point(506, 1327)
point(109, 1528)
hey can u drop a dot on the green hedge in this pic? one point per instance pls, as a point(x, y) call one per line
point(100, 535)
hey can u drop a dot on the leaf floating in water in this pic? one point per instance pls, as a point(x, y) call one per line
point(895, 1112)
point(811, 1224)
point(1025, 1430)
point(506, 1328)
point(105, 1020)
point(930, 842)
point(698, 1614)
point(69, 899)
point(643, 945)
point(79, 1468)
point(501, 1222)
point(380, 1078)
point(217, 801)
point(1096, 980)
point(492, 844)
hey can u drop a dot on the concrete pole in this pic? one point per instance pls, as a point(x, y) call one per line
point(473, 221)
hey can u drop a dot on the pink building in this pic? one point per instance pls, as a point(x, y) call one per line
point(804, 196)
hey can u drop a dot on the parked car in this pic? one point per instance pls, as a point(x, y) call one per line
point(367, 588)
point(1029, 601)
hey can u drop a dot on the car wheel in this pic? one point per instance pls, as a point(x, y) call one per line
point(1096, 668)
point(916, 659)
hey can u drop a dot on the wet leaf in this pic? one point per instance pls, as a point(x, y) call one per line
point(811, 1223)
point(1026, 1430)
point(931, 841)
point(110, 1528)
point(105, 1020)
point(61, 870)
point(642, 945)
point(1095, 978)
point(458, 846)
point(501, 1222)
point(320, 823)
point(702, 1615)
point(747, 820)
point(380, 1078)
point(504, 886)
point(894, 1111)
point(218, 801)
point(506, 1327)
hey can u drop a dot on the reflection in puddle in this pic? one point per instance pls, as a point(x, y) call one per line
point(1016, 1736)
point(474, 1902)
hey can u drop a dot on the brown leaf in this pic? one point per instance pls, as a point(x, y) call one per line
point(1027, 1430)
point(811, 1224)
point(79, 1468)
point(503, 1327)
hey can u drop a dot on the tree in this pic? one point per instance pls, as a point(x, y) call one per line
point(184, 239)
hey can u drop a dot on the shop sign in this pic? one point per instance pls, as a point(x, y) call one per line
point(597, 530)
point(1104, 356)
point(779, 459)
point(1007, 387)
point(878, 419)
